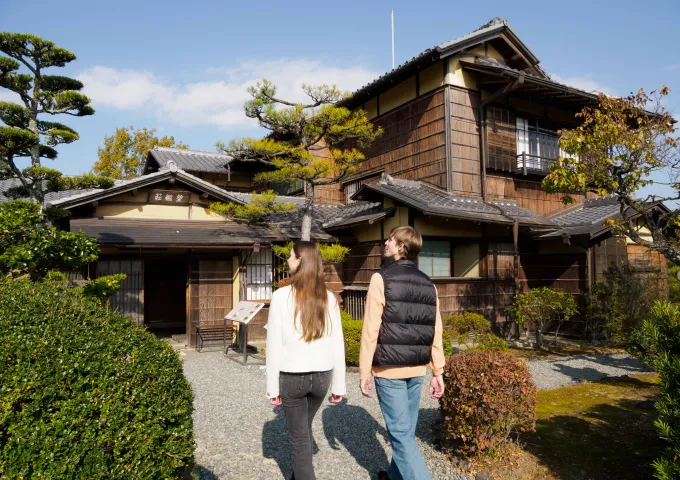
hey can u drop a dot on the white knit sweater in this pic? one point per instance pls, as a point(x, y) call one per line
point(288, 352)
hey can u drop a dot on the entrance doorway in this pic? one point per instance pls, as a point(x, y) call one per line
point(165, 282)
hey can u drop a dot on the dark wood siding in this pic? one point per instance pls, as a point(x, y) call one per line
point(465, 156)
point(413, 143)
point(363, 261)
point(210, 293)
point(527, 193)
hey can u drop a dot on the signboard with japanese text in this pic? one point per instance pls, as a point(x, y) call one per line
point(244, 312)
point(169, 197)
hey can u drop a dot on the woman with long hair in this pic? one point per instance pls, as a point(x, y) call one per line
point(305, 351)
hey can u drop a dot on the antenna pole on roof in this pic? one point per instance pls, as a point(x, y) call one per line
point(393, 39)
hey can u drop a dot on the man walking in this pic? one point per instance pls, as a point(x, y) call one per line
point(402, 335)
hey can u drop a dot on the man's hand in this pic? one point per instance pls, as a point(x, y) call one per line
point(437, 386)
point(276, 401)
point(366, 386)
point(336, 398)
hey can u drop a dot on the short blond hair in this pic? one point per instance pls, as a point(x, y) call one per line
point(410, 239)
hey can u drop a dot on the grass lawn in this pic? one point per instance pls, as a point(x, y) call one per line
point(600, 430)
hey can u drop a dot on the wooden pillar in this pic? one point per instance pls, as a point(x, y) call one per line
point(589, 268)
point(515, 242)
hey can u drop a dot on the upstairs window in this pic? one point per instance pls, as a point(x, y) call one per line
point(537, 147)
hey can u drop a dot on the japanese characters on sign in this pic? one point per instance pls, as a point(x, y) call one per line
point(169, 197)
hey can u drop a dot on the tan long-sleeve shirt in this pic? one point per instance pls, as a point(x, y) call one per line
point(375, 303)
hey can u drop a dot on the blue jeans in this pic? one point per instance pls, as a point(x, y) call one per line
point(400, 402)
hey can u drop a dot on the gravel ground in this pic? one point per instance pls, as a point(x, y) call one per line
point(240, 436)
point(555, 373)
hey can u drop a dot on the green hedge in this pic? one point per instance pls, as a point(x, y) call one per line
point(352, 331)
point(657, 343)
point(85, 393)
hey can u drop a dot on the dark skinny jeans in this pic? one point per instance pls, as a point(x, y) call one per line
point(302, 394)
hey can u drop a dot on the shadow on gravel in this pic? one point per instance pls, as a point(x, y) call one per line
point(201, 473)
point(276, 444)
point(590, 373)
point(429, 427)
point(354, 428)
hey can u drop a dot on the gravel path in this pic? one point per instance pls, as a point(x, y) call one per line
point(555, 373)
point(240, 436)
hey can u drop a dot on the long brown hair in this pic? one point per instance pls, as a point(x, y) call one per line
point(309, 286)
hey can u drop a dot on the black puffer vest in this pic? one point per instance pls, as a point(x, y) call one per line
point(407, 329)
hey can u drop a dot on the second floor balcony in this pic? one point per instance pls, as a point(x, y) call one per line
point(528, 164)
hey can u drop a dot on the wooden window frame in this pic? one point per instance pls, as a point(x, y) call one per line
point(460, 241)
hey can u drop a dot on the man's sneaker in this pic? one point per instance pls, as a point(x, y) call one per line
point(382, 475)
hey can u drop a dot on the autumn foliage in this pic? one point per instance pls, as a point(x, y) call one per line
point(488, 396)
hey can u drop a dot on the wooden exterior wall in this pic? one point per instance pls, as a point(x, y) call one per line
point(527, 193)
point(465, 177)
point(209, 294)
point(489, 295)
point(650, 265)
point(413, 145)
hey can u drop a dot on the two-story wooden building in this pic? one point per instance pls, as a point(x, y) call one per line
point(470, 129)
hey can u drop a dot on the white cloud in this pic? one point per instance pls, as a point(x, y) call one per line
point(8, 96)
point(585, 83)
point(218, 101)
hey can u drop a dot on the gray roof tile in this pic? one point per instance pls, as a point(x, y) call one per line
point(191, 160)
point(433, 201)
point(496, 24)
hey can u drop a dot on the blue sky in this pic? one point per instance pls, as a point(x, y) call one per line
point(182, 67)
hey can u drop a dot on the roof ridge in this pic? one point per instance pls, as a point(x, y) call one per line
point(190, 152)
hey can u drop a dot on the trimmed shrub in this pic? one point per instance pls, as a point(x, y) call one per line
point(351, 330)
point(86, 393)
point(487, 397)
point(542, 307)
point(657, 343)
point(471, 330)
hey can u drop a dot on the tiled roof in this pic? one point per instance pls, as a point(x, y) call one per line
point(586, 218)
point(495, 26)
point(190, 160)
point(82, 196)
point(592, 211)
point(49, 197)
point(433, 201)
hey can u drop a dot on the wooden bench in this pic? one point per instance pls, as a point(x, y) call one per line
point(213, 332)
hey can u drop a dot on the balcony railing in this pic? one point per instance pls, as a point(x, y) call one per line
point(533, 164)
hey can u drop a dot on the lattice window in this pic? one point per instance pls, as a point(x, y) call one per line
point(354, 302)
point(259, 275)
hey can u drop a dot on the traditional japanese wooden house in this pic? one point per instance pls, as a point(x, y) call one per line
point(470, 129)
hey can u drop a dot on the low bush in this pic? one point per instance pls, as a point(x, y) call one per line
point(542, 307)
point(351, 329)
point(86, 393)
point(471, 330)
point(657, 343)
point(488, 396)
